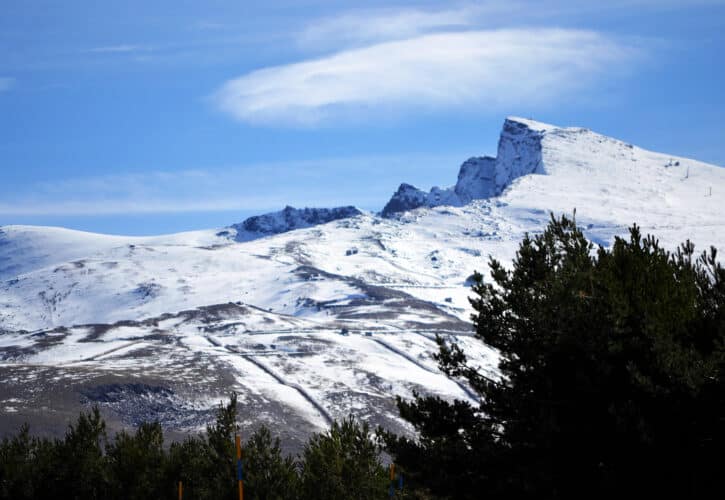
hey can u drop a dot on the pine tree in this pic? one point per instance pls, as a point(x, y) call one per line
point(222, 450)
point(137, 463)
point(16, 465)
point(267, 474)
point(343, 463)
point(77, 465)
point(188, 462)
point(207, 464)
point(612, 376)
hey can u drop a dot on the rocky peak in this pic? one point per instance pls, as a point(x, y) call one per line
point(406, 198)
point(519, 153)
point(289, 219)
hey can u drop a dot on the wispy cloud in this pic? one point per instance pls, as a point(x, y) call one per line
point(6, 83)
point(484, 69)
point(255, 187)
point(118, 49)
point(360, 27)
point(96, 207)
point(490, 55)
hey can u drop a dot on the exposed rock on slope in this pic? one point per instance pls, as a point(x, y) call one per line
point(406, 198)
point(519, 153)
point(476, 179)
point(290, 219)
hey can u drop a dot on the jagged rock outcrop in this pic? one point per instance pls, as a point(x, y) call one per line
point(476, 179)
point(406, 198)
point(409, 197)
point(289, 219)
point(519, 153)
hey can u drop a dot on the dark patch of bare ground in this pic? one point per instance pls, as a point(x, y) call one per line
point(50, 398)
point(395, 301)
point(205, 314)
point(41, 340)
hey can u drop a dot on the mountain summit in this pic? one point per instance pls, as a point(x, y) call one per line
point(519, 153)
point(568, 156)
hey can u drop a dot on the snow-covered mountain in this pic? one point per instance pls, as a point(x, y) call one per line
point(313, 314)
point(566, 155)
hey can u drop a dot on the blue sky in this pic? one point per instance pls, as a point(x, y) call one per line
point(141, 117)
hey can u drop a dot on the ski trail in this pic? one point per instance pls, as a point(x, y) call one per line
point(410, 358)
point(95, 357)
point(301, 390)
point(277, 377)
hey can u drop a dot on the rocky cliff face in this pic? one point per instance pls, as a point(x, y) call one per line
point(289, 219)
point(476, 179)
point(519, 153)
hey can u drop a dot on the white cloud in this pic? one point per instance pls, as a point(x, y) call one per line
point(6, 83)
point(359, 27)
point(366, 26)
point(491, 70)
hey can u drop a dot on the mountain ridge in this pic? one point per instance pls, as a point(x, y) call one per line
point(346, 310)
point(519, 153)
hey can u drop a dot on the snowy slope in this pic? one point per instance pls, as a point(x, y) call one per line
point(194, 315)
point(28, 248)
point(618, 183)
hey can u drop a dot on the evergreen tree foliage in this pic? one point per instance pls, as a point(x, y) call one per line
point(17, 457)
point(267, 474)
point(79, 470)
point(73, 467)
point(222, 455)
point(612, 377)
point(207, 464)
point(343, 463)
point(189, 463)
point(137, 462)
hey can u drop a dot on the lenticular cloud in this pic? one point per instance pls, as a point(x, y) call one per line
point(486, 69)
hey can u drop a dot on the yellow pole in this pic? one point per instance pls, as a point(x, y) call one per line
point(181, 491)
point(240, 483)
point(392, 472)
